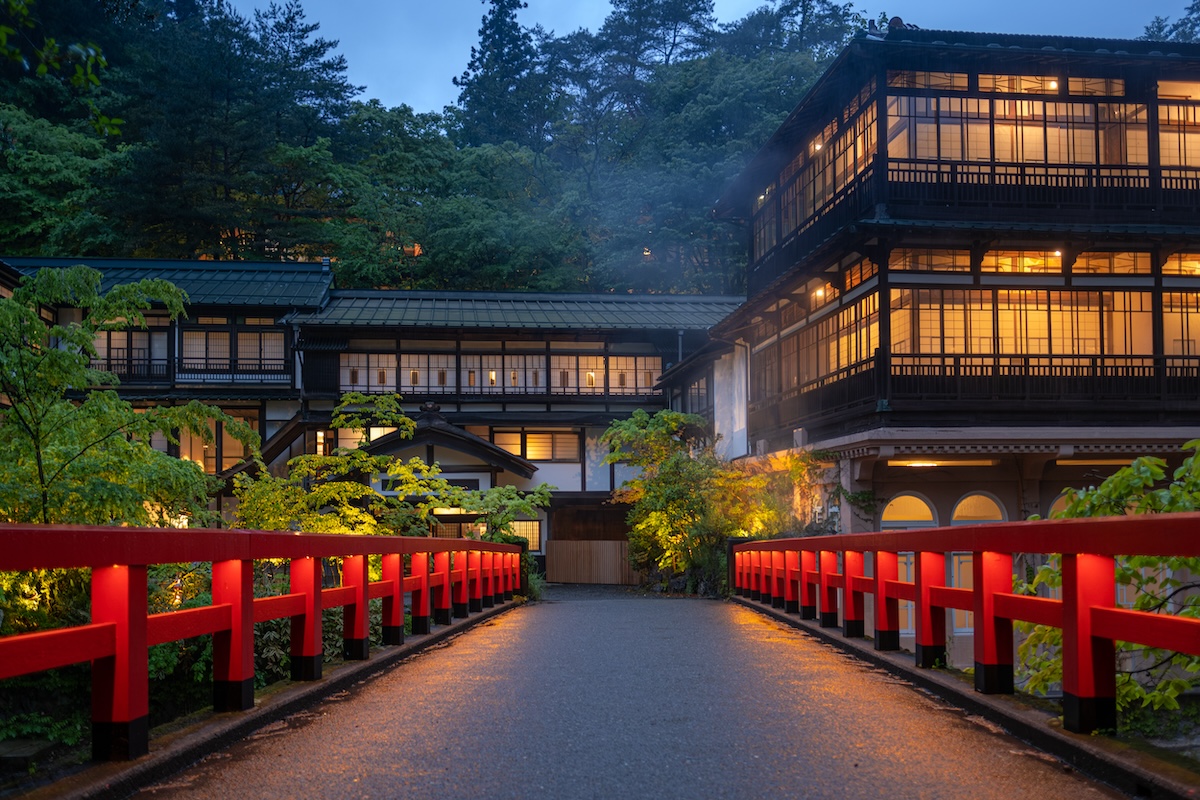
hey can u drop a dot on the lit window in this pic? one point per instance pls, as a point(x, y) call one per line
point(621, 379)
point(531, 530)
point(470, 377)
point(491, 377)
point(414, 377)
point(591, 380)
point(512, 378)
point(510, 442)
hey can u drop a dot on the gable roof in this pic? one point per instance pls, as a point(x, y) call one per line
point(520, 310)
point(247, 283)
point(433, 428)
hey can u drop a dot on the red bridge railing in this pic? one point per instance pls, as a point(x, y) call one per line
point(121, 629)
point(806, 576)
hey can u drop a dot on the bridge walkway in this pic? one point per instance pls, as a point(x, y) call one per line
point(599, 693)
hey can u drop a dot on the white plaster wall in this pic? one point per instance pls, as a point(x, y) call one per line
point(730, 376)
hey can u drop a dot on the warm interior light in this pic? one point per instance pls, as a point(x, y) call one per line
point(816, 145)
point(441, 512)
point(819, 293)
point(1053, 84)
point(646, 251)
point(1091, 462)
point(929, 462)
point(1058, 252)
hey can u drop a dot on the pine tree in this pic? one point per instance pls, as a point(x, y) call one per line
point(502, 96)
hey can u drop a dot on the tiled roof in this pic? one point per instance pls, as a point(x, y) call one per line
point(252, 283)
point(520, 310)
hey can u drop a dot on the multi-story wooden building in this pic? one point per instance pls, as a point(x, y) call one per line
point(974, 275)
point(509, 389)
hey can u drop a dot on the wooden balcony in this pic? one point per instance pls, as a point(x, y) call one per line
point(1040, 388)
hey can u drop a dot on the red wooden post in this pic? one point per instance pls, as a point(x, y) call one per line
point(420, 596)
point(887, 609)
point(233, 649)
point(475, 567)
point(827, 561)
point(441, 593)
point(1089, 662)
point(993, 636)
point(393, 601)
point(808, 594)
point(489, 580)
point(356, 633)
point(121, 683)
point(306, 651)
point(512, 578)
point(791, 597)
point(462, 588)
point(778, 578)
point(498, 564)
point(739, 574)
point(853, 618)
point(756, 575)
point(929, 570)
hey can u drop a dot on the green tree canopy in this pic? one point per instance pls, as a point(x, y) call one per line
point(73, 452)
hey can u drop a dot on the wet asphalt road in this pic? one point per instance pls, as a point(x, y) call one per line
point(602, 694)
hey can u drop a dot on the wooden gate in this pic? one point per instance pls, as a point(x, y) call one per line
point(589, 562)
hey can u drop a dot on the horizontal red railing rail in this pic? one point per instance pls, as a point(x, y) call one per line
point(804, 576)
point(116, 641)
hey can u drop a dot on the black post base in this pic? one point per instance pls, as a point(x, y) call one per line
point(808, 612)
point(441, 616)
point(307, 668)
point(420, 625)
point(508, 596)
point(755, 595)
point(356, 649)
point(393, 634)
point(498, 598)
point(854, 629)
point(776, 602)
point(475, 606)
point(120, 741)
point(887, 640)
point(791, 607)
point(930, 656)
point(233, 695)
point(993, 678)
point(829, 619)
point(1088, 714)
point(460, 611)
point(489, 601)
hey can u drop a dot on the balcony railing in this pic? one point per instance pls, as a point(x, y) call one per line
point(134, 370)
point(272, 372)
point(1036, 377)
point(977, 382)
point(1087, 187)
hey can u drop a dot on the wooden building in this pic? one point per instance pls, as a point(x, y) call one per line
point(974, 275)
point(506, 389)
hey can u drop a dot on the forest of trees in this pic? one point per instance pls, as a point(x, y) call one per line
point(584, 162)
point(587, 162)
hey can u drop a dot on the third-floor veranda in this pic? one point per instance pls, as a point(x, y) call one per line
point(1024, 130)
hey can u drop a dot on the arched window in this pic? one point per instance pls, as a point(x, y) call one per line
point(974, 509)
point(906, 512)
